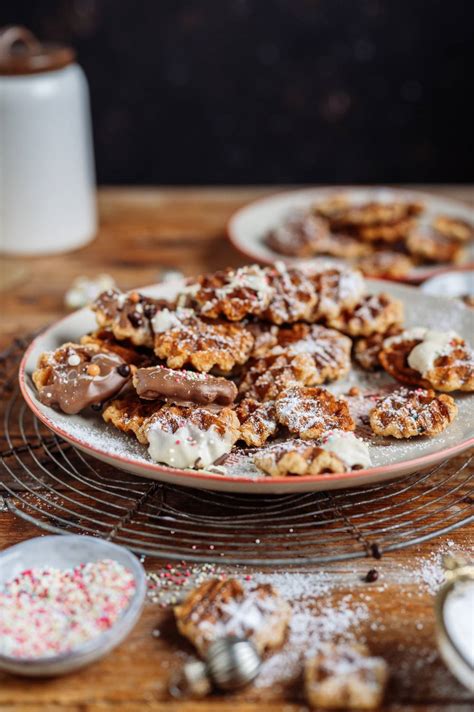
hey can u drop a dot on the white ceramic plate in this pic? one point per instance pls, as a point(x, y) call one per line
point(391, 458)
point(451, 284)
point(249, 225)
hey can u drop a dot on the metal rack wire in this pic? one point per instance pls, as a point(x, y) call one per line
point(48, 482)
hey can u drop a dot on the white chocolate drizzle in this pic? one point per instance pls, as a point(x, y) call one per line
point(188, 446)
point(348, 448)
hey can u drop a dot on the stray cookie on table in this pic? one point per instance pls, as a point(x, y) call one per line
point(217, 609)
point(345, 677)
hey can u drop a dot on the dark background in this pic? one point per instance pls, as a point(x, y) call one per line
point(271, 91)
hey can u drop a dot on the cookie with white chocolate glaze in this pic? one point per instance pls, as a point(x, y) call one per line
point(190, 436)
point(76, 376)
point(429, 358)
point(408, 413)
point(217, 609)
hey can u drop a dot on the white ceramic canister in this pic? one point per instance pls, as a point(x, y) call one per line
point(47, 182)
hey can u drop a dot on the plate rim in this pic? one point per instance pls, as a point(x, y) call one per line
point(189, 476)
point(414, 279)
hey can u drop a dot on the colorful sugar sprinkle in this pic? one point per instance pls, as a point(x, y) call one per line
point(48, 612)
point(169, 584)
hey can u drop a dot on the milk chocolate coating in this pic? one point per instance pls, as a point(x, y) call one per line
point(164, 383)
point(72, 389)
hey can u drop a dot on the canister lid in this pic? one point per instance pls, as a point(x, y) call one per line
point(22, 53)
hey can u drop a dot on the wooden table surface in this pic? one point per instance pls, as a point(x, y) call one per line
point(143, 232)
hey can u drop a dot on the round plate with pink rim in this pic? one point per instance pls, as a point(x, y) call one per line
point(390, 458)
point(248, 226)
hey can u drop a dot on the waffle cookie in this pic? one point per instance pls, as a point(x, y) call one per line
point(429, 358)
point(345, 677)
point(177, 435)
point(128, 315)
point(187, 436)
point(337, 451)
point(76, 376)
point(293, 297)
point(217, 609)
point(310, 412)
point(232, 294)
point(386, 264)
point(182, 338)
point(266, 378)
point(160, 383)
point(257, 421)
point(130, 414)
point(374, 314)
point(407, 413)
point(337, 289)
point(299, 235)
point(430, 245)
point(454, 228)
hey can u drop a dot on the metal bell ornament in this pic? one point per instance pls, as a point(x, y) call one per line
point(231, 663)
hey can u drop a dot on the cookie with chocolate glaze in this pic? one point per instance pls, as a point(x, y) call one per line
point(160, 383)
point(76, 376)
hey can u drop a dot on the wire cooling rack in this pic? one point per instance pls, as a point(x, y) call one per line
point(50, 483)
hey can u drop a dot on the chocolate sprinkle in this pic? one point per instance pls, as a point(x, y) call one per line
point(123, 370)
point(375, 551)
point(371, 576)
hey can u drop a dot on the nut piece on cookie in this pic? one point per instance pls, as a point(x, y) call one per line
point(429, 358)
point(232, 293)
point(376, 313)
point(76, 376)
point(183, 338)
point(217, 609)
point(167, 384)
point(406, 414)
point(385, 263)
point(337, 451)
point(345, 677)
point(190, 437)
point(127, 315)
point(310, 412)
point(257, 421)
point(299, 235)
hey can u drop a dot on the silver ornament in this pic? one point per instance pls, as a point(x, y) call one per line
point(230, 663)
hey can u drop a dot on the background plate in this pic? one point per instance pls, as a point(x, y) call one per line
point(391, 458)
point(248, 226)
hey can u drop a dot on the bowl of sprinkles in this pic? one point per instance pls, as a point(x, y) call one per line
point(65, 602)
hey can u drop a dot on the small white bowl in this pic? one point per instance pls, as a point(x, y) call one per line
point(455, 284)
point(64, 552)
